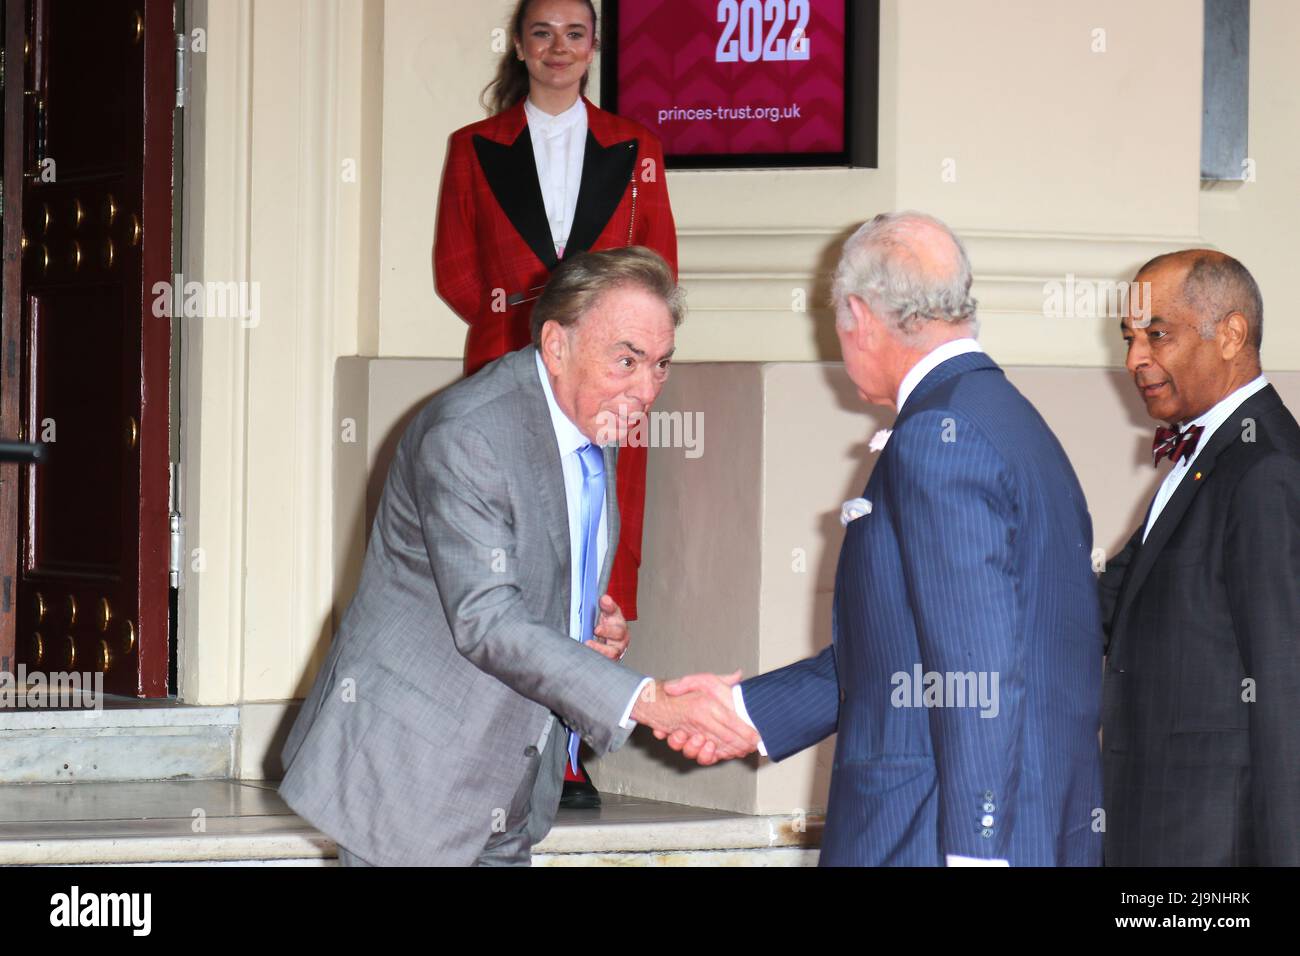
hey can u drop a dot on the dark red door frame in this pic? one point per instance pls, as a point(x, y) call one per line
point(11, 309)
point(155, 345)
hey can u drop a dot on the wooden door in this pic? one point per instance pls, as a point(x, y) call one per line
point(93, 153)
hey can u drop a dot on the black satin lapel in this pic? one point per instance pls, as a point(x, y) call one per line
point(511, 173)
point(606, 171)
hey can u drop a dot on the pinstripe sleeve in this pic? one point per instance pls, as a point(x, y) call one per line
point(796, 706)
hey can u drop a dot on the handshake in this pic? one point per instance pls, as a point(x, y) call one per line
point(696, 715)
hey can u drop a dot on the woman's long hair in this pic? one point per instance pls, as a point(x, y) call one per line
point(510, 85)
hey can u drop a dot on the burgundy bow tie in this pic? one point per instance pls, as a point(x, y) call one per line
point(1174, 444)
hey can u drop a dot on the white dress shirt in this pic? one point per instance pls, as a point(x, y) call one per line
point(559, 143)
point(1210, 421)
point(933, 360)
point(911, 380)
point(570, 439)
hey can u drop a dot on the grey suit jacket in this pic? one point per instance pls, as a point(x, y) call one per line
point(422, 729)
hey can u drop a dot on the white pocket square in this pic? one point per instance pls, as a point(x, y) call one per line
point(853, 509)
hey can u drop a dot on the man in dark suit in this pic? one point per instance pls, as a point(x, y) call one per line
point(1201, 713)
point(963, 677)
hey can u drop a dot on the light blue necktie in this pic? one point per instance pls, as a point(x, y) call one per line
point(593, 497)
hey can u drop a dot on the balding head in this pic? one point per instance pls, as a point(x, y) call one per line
point(1197, 340)
point(1214, 286)
point(912, 271)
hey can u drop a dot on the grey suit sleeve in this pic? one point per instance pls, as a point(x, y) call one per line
point(465, 514)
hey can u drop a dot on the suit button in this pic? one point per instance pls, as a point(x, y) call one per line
point(988, 794)
point(530, 751)
point(986, 833)
point(987, 821)
point(989, 808)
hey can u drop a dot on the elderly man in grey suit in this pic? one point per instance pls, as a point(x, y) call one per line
point(476, 653)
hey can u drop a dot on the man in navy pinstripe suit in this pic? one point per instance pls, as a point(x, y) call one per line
point(963, 678)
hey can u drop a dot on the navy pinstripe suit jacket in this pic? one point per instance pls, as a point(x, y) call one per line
point(964, 674)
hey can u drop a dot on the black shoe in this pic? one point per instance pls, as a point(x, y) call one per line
point(580, 794)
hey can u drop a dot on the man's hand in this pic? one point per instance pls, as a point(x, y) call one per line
point(696, 715)
point(698, 746)
point(611, 637)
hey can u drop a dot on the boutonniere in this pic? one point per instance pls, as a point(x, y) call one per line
point(853, 509)
point(879, 439)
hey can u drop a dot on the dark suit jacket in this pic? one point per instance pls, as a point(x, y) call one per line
point(1201, 714)
point(974, 559)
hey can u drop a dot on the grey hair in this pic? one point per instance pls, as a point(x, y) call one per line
point(581, 279)
point(1216, 285)
point(883, 265)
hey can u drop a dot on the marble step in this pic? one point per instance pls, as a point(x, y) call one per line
point(231, 822)
point(124, 739)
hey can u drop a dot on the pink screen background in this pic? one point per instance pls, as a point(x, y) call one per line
point(666, 60)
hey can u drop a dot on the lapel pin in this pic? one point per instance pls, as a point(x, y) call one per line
point(1198, 477)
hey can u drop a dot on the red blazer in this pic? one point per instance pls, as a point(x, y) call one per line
point(493, 252)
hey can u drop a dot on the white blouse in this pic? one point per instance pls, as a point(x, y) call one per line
point(559, 143)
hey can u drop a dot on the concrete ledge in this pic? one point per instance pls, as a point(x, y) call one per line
point(721, 832)
point(82, 719)
point(147, 743)
point(307, 847)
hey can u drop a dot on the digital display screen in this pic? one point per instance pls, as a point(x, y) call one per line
point(761, 79)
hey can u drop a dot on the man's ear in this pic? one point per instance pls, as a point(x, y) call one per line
point(554, 347)
point(1233, 334)
point(864, 323)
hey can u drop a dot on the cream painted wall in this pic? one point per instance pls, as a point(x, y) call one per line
point(282, 191)
point(1040, 106)
point(437, 58)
